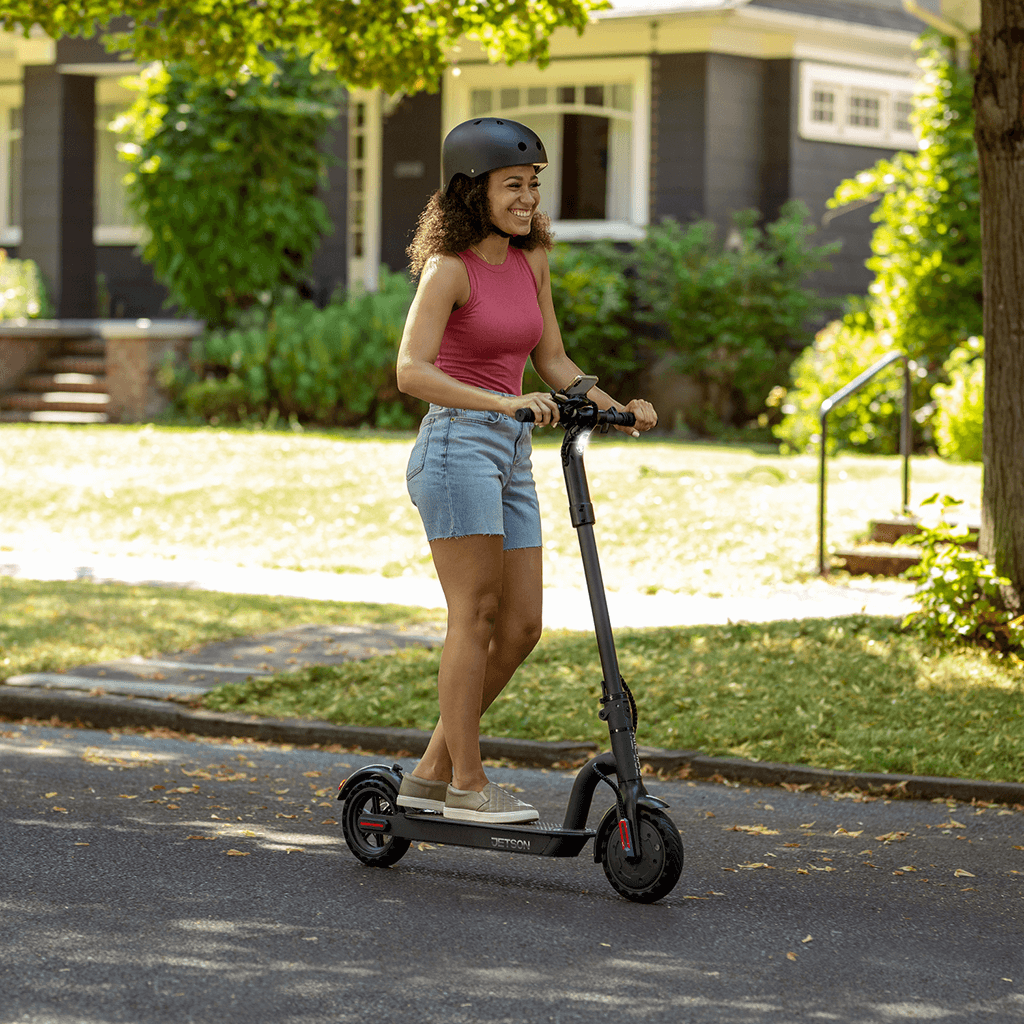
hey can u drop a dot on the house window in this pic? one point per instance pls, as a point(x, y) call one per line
point(115, 222)
point(861, 108)
point(10, 165)
point(364, 154)
point(593, 120)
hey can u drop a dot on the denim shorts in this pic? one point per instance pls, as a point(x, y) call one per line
point(470, 473)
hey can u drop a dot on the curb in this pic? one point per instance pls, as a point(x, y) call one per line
point(104, 711)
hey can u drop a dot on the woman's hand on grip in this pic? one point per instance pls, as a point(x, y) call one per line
point(540, 403)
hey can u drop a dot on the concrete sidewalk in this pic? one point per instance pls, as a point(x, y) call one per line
point(564, 608)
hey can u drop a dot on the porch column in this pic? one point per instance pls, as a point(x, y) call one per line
point(58, 175)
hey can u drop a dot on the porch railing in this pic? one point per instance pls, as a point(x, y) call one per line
point(837, 399)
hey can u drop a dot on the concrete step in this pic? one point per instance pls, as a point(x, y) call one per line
point(76, 364)
point(84, 347)
point(877, 560)
point(887, 531)
point(54, 401)
point(78, 382)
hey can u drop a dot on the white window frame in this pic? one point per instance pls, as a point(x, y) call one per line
point(847, 83)
point(460, 82)
point(11, 98)
point(365, 270)
point(113, 234)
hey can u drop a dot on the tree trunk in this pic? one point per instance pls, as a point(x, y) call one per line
point(999, 120)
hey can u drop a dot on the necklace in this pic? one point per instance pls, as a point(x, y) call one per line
point(483, 257)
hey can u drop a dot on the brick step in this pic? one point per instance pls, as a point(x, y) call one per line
point(76, 364)
point(79, 382)
point(876, 560)
point(887, 531)
point(85, 347)
point(54, 401)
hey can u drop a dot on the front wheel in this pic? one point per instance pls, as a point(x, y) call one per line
point(372, 797)
point(661, 857)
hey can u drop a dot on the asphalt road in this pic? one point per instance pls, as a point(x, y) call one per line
point(149, 879)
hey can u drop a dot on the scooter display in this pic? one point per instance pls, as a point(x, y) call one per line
point(636, 842)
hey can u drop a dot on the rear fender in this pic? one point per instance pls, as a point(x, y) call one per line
point(391, 774)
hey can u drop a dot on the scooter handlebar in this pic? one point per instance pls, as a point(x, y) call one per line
point(610, 416)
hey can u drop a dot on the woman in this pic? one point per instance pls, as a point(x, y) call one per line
point(482, 306)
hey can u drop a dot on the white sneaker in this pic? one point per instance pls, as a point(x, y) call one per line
point(493, 805)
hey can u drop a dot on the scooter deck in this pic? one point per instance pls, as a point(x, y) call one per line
point(537, 838)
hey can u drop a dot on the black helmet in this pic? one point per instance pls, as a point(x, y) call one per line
point(487, 143)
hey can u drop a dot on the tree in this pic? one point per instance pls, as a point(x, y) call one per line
point(390, 44)
point(999, 130)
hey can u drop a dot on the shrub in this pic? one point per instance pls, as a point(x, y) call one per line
point(224, 180)
point(328, 366)
point(592, 298)
point(960, 404)
point(732, 315)
point(958, 590)
point(22, 293)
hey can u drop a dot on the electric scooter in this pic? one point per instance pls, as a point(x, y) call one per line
point(636, 842)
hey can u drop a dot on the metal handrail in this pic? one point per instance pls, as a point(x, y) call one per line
point(838, 398)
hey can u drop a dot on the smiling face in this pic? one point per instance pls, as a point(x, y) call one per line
point(513, 195)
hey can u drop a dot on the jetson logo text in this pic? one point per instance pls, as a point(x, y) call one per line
point(499, 843)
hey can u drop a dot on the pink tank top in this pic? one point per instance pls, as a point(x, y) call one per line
point(487, 341)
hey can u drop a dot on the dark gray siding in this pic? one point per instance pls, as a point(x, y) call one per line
point(128, 283)
point(735, 139)
point(679, 136)
point(58, 172)
point(410, 172)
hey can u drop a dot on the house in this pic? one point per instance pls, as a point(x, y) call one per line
point(663, 108)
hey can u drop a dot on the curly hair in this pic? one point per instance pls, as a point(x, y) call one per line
point(452, 221)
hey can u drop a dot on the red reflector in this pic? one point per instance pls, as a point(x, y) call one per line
point(371, 824)
point(624, 837)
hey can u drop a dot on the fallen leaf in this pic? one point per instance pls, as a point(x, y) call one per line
point(755, 830)
point(960, 873)
point(791, 956)
point(183, 789)
point(952, 824)
point(758, 864)
point(794, 845)
point(810, 938)
point(63, 810)
point(156, 788)
point(1019, 847)
point(908, 867)
point(81, 844)
point(208, 838)
point(128, 796)
point(892, 837)
point(312, 775)
point(285, 815)
point(802, 871)
point(842, 832)
point(807, 824)
point(236, 853)
point(814, 867)
point(50, 796)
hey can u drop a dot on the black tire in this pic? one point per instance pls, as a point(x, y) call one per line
point(374, 796)
point(655, 875)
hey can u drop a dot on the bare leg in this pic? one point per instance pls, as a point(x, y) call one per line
point(494, 621)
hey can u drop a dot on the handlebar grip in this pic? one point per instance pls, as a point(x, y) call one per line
point(618, 419)
point(524, 415)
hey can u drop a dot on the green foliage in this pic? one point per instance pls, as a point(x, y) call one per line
point(388, 44)
point(958, 589)
point(732, 315)
point(926, 296)
point(22, 292)
point(224, 180)
point(927, 246)
point(329, 366)
point(960, 404)
point(868, 420)
point(593, 300)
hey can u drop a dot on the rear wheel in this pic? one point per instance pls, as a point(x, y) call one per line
point(373, 798)
point(661, 857)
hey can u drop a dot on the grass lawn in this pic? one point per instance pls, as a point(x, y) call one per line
point(50, 627)
point(690, 518)
point(854, 693)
